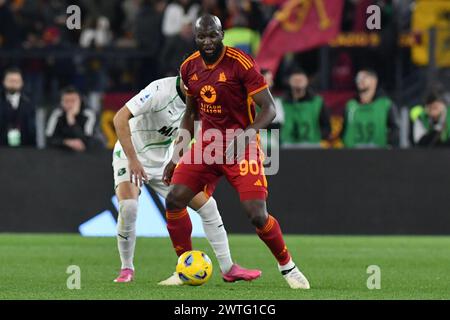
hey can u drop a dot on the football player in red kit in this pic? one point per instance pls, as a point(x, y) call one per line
point(223, 84)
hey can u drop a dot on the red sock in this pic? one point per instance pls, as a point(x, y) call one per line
point(180, 228)
point(273, 238)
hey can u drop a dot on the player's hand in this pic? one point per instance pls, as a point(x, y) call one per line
point(137, 173)
point(168, 172)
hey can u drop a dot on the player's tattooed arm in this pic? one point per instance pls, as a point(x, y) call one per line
point(137, 172)
point(185, 135)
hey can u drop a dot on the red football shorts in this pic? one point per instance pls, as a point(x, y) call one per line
point(246, 177)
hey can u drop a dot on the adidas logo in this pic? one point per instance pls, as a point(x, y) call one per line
point(222, 77)
point(194, 77)
point(258, 183)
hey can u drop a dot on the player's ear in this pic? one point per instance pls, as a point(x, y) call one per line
point(222, 34)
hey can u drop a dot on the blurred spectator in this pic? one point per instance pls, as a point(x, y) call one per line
point(9, 29)
point(245, 13)
point(35, 18)
point(175, 48)
point(177, 15)
point(306, 118)
point(60, 69)
point(111, 9)
point(235, 14)
point(279, 117)
point(149, 38)
point(370, 120)
point(273, 141)
point(342, 73)
point(97, 37)
point(17, 113)
point(148, 24)
point(72, 125)
point(431, 127)
point(130, 10)
point(97, 34)
point(256, 16)
point(214, 7)
point(242, 37)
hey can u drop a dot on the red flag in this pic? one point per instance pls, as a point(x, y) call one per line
point(298, 26)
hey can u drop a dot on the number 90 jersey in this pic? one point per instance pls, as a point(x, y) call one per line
point(157, 111)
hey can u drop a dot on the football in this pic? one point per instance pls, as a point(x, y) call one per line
point(194, 268)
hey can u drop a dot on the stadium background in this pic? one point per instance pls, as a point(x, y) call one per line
point(123, 45)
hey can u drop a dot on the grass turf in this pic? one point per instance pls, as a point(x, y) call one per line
point(34, 267)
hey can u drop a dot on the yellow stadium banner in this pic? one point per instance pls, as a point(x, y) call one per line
point(432, 14)
point(356, 39)
point(107, 126)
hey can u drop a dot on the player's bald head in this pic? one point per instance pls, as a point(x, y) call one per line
point(208, 37)
point(208, 21)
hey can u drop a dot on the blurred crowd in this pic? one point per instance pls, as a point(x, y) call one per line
point(370, 118)
point(157, 34)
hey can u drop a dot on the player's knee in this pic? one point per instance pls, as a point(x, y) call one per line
point(171, 201)
point(259, 220)
point(128, 210)
point(178, 197)
point(256, 211)
point(174, 200)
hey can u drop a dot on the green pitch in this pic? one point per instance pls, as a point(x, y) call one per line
point(34, 267)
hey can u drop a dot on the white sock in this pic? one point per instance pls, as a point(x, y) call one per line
point(288, 266)
point(216, 233)
point(126, 231)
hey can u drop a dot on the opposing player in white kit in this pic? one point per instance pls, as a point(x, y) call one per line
point(146, 127)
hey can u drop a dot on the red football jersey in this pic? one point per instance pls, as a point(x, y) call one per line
point(223, 90)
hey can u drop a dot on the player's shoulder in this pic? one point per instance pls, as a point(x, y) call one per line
point(162, 81)
point(166, 82)
point(239, 57)
point(161, 86)
point(191, 60)
point(238, 52)
point(154, 93)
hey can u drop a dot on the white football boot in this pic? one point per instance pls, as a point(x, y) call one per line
point(295, 278)
point(173, 280)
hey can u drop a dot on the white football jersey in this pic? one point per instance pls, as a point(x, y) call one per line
point(157, 111)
